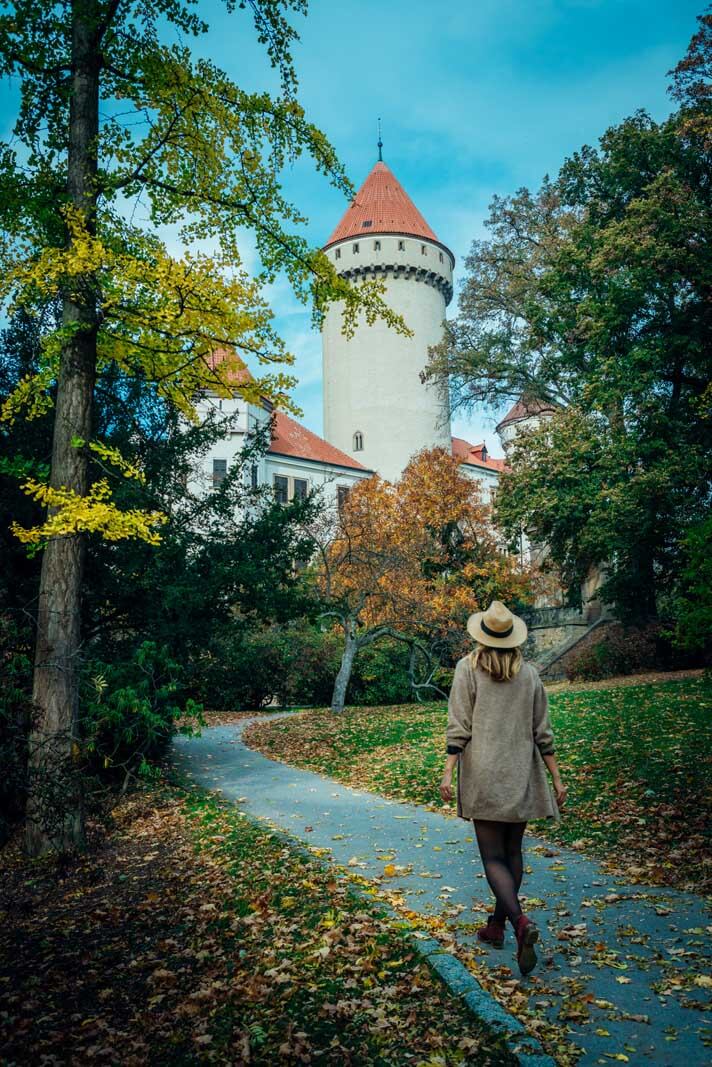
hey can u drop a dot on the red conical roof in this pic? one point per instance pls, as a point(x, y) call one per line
point(525, 408)
point(381, 206)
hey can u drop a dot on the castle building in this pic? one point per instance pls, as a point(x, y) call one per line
point(377, 410)
point(375, 403)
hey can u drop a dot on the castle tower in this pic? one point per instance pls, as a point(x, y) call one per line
point(376, 408)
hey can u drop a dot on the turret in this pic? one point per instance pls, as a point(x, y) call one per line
point(376, 407)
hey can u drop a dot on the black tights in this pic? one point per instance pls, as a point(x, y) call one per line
point(500, 845)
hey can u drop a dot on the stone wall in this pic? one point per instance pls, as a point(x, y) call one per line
point(551, 628)
point(552, 667)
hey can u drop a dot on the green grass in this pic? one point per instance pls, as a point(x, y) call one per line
point(636, 759)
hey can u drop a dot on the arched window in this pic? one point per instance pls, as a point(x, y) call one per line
point(358, 441)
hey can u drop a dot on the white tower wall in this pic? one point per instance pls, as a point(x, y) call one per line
point(372, 382)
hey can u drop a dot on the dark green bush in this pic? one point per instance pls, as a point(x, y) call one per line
point(381, 675)
point(16, 671)
point(296, 664)
point(628, 650)
point(130, 709)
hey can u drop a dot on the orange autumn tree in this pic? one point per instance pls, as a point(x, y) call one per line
point(411, 560)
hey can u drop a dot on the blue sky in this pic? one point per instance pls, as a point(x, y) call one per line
point(476, 98)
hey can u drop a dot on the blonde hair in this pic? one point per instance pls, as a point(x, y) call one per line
point(500, 663)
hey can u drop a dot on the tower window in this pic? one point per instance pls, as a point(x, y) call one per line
point(338, 254)
point(219, 471)
point(401, 246)
point(376, 246)
point(358, 441)
point(423, 250)
point(355, 249)
point(441, 257)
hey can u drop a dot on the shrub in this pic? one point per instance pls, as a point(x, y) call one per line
point(380, 675)
point(16, 670)
point(692, 606)
point(237, 671)
point(297, 664)
point(130, 709)
point(627, 650)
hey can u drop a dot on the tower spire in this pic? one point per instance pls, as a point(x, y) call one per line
point(380, 143)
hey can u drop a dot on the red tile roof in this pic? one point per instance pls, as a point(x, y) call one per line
point(524, 408)
point(292, 439)
point(237, 373)
point(474, 455)
point(381, 206)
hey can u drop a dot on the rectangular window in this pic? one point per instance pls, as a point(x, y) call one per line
point(355, 249)
point(219, 471)
point(423, 250)
point(255, 481)
point(287, 489)
point(401, 246)
point(281, 489)
point(366, 224)
point(337, 254)
point(441, 257)
point(376, 246)
point(342, 492)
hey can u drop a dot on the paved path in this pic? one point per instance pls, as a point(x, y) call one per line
point(636, 949)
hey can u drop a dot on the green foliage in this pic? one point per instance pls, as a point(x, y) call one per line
point(381, 675)
point(16, 663)
point(692, 609)
point(130, 710)
point(592, 294)
point(295, 664)
point(227, 561)
point(627, 650)
point(199, 153)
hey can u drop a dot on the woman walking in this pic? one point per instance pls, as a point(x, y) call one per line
point(499, 734)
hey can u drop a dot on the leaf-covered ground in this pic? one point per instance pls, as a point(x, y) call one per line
point(636, 759)
point(189, 934)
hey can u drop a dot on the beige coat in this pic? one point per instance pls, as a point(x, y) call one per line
point(501, 730)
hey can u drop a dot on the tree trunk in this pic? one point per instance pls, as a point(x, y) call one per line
point(54, 809)
point(343, 678)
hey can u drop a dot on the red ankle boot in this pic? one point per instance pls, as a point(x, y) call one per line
point(492, 933)
point(527, 934)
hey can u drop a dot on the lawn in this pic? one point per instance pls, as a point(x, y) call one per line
point(189, 933)
point(636, 759)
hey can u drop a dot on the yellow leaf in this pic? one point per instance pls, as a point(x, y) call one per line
point(389, 870)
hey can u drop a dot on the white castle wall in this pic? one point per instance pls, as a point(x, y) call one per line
point(372, 382)
point(239, 416)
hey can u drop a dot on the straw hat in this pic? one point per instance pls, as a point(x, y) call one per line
point(497, 627)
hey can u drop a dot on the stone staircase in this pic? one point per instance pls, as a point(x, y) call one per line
point(555, 632)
